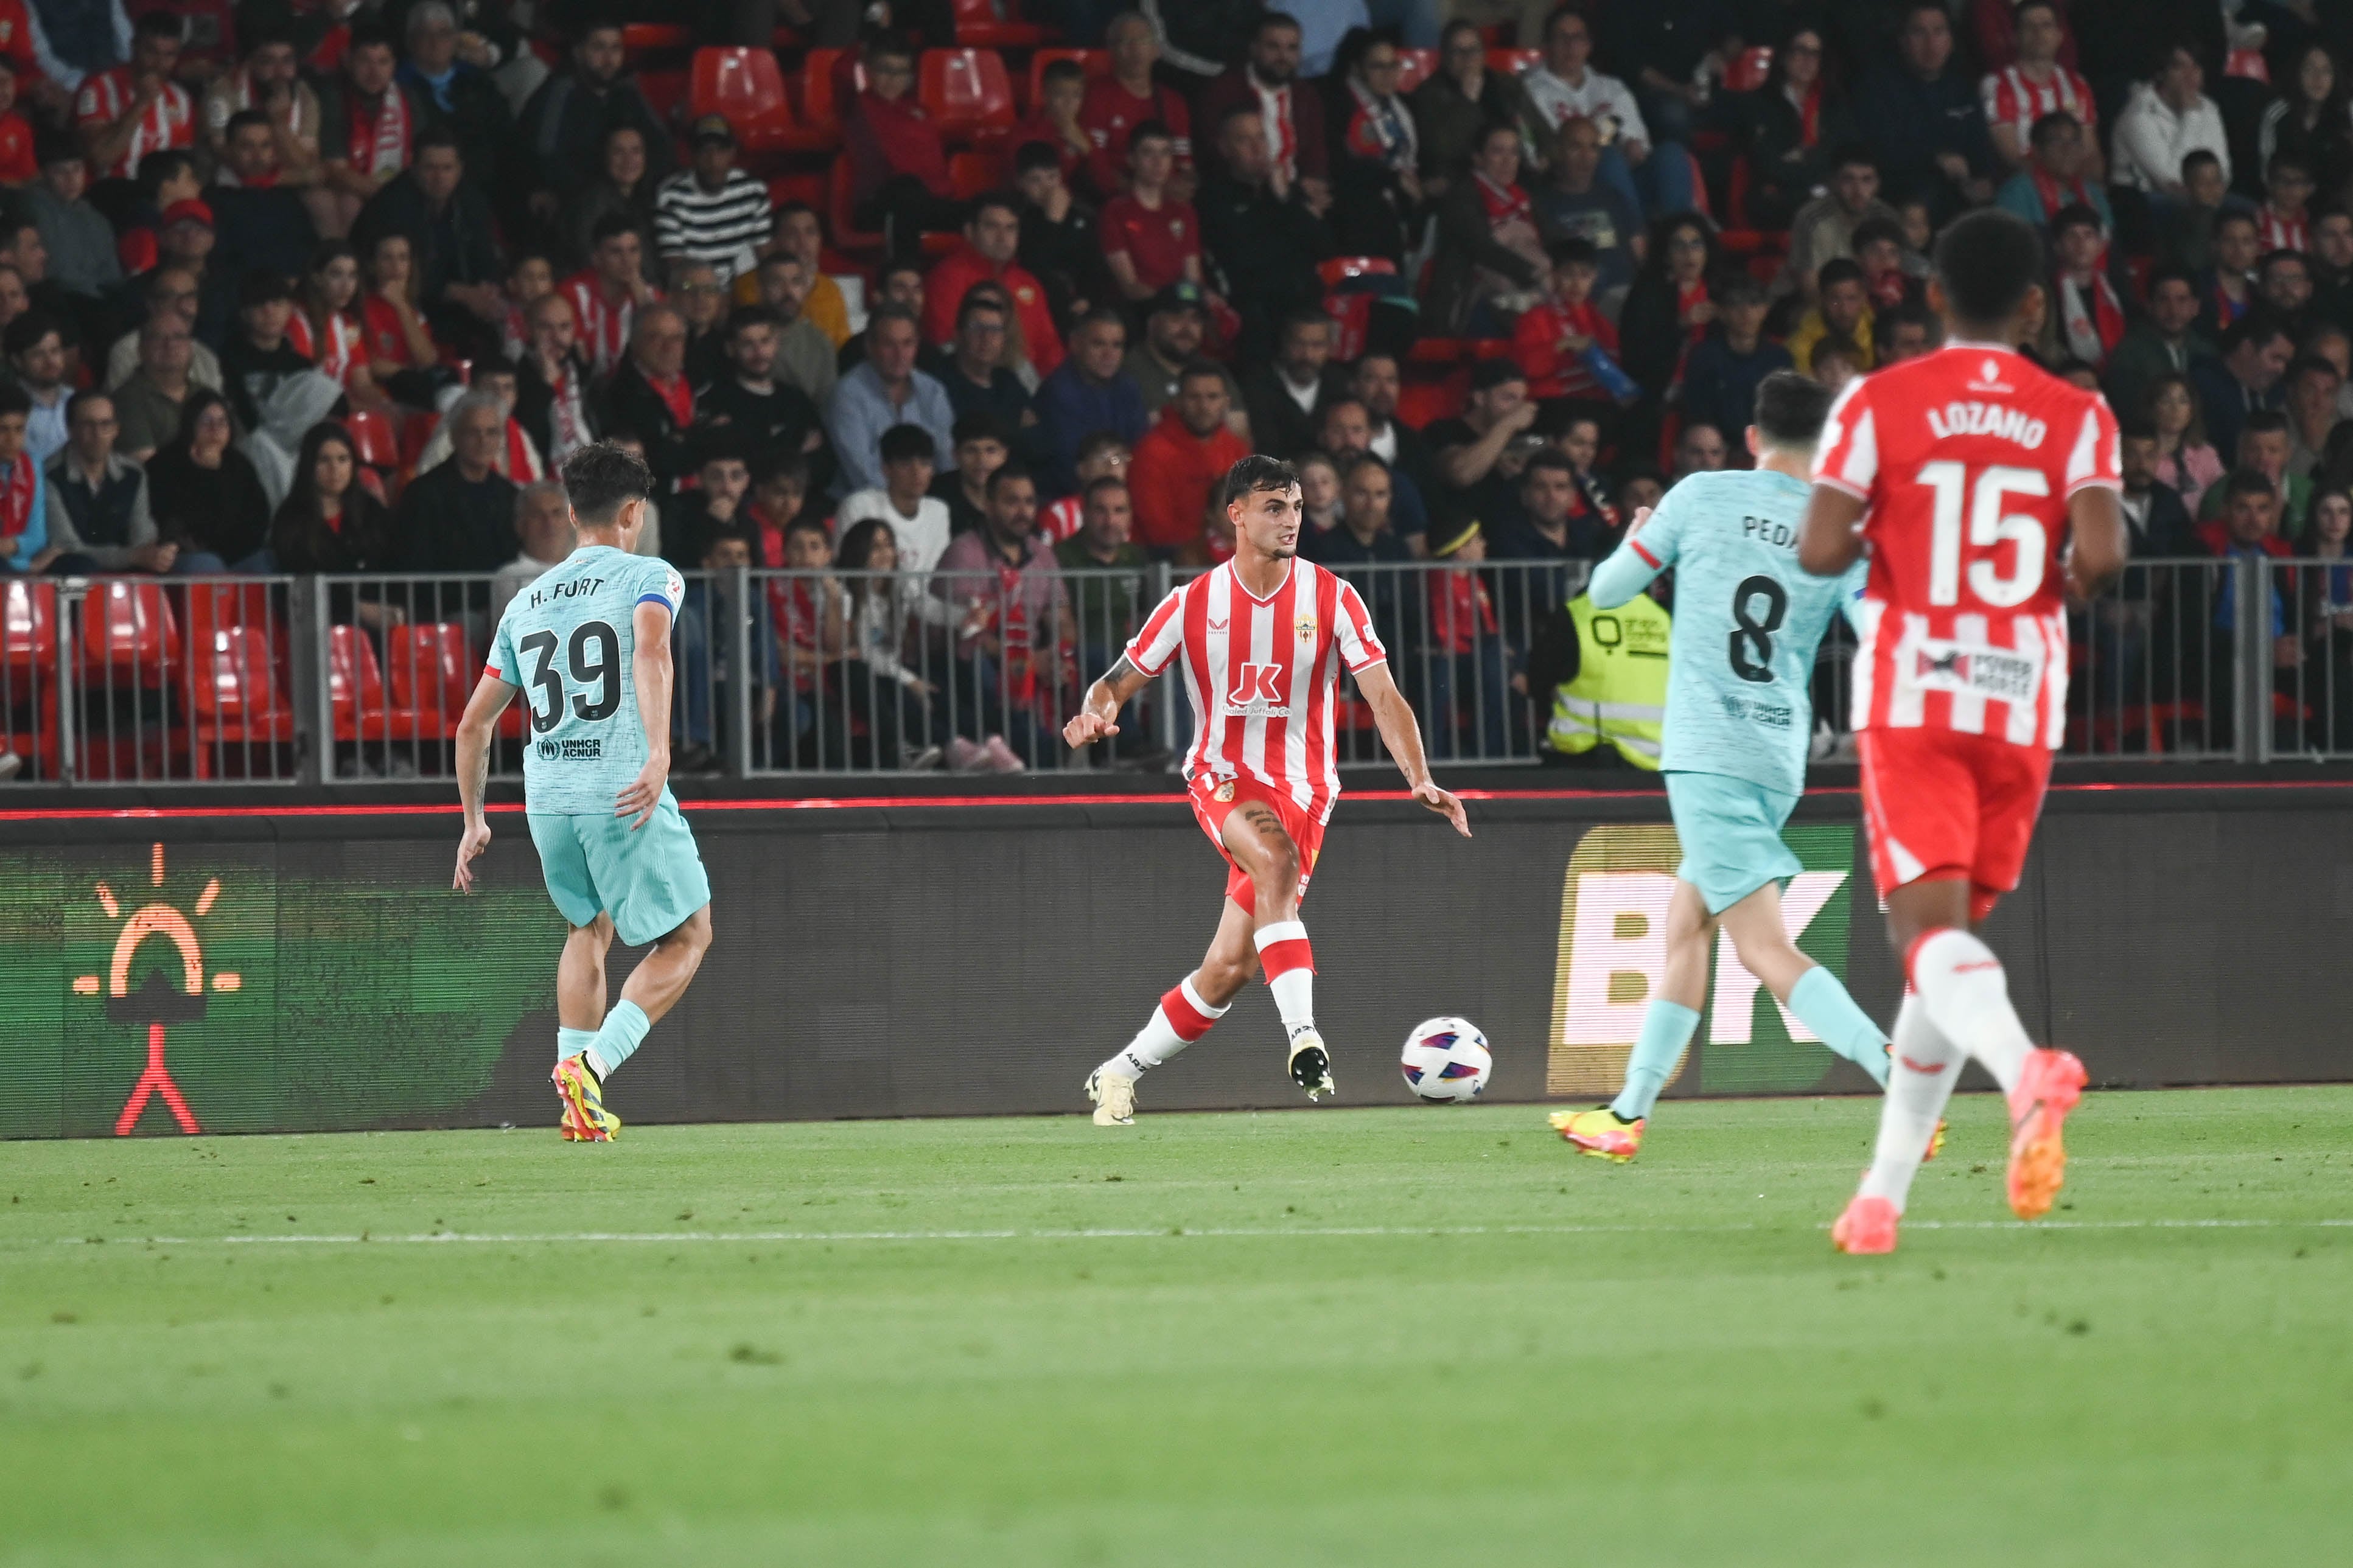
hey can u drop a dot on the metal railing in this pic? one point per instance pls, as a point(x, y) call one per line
point(246, 681)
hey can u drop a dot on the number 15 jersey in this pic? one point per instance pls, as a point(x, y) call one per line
point(1967, 459)
point(569, 640)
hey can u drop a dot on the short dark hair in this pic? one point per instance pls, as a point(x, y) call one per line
point(259, 286)
point(1790, 410)
point(1987, 261)
point(1101, 315)
point(1097, 443)
point(14, 399)
point(1156, 128)
point(2257, 326)
point(728, 534)
point(1256, 472)
point(611, 224)
point(2136, 429)
point(1856, 154)
point(2270, 258)
point(980, 297)
point(2047, 127)
point(2076, 214)
point(1032, 156)
point(1005, 200)
point(1005, 473)
point(1275, 19)
point(2241, 482)
point(436, 136)
point(1062, 70)
point(1739, 289)
point(1550, 460)
point(600, 478)
point(2232, 215)
point(2310, 365)
point(242, 118)
point(27, 329)
point(806, 523)
point(1872, 231)
point(2199, 159)
point(2288, 158)
point(905, 443)
point(781, 464)
point(159, 24)
point(1108, 482)
point(159, 166)
point(1838, 269)
point(744, 316)
point(1573, 251)
point(979, 425)
point(2172, 274)
point(2264, 422)
point(88, 395)
point(1201, 370)
point(892, 42)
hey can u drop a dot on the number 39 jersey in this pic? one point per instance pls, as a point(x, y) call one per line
point(1967, 459)
point(1748, 619)
point(569, 640)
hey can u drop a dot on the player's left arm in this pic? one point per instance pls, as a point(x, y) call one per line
point(491, 695)
point(1846, 471)
point(650, 668)
point(2098, 543)
point(1648, 549)
point(1402, 735)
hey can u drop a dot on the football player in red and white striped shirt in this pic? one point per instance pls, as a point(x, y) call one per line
point(1260, 640)
point(2018, 95)
point(1964, 472)
point(136, 108)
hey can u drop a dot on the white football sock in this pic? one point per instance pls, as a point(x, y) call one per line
point(1962, 984)
point(1181, 1018)
point(1289, 964)
point(1919, 1081)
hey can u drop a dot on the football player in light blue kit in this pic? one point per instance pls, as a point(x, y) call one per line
point(1739, 721)
point(588, 643)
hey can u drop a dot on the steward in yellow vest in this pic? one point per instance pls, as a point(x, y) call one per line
point(1618, 692)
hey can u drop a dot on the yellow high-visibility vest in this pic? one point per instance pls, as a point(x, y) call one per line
point(1620, 694)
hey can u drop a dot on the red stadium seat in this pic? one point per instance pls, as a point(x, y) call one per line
point(236, 699)
point(978, 26)
point(744, 86)
point(1415, 66)
point(1096, 62)
point(130, 637)
point(808, 188)
point(28, 663)
point(1420, 401)
point(432, 675)
point(665, 92)
point(966, 92)
point(1340, 268)
point(820, 107)
point(354, 685)
point(842, 226)
point(971, 174)
point(372, 433)
point(643, 37)
point(1435, 351)
point(1514, 62)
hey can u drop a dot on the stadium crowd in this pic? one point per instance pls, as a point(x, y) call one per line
point(989, 302)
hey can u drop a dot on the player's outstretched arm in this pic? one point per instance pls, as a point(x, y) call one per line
point(1826, 540)
point(1630, 569)
point(491, 697)
point(1098, 718)
point(2099, 544)
point(1393, 714)
point(650, 668)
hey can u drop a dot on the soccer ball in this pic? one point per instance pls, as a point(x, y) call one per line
point(1446, 1060)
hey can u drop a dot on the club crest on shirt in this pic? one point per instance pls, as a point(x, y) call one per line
point(1305, 626)
point(1225, 792)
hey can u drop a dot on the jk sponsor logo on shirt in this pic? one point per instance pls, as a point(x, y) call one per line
point(1613, 959)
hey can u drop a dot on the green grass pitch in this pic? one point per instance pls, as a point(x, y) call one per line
point(1325, 1337)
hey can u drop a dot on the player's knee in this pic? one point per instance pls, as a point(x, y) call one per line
point(1277, 871)
point(695, 935)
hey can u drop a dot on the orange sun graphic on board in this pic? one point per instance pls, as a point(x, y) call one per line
point(157, 1002)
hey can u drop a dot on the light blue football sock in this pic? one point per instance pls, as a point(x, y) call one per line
point(1666, 1030)
point(570, 1042)
point(625, 1029)
point(1822, 1004)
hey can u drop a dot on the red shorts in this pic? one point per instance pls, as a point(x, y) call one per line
point(1943, 805)
point(1215, 799)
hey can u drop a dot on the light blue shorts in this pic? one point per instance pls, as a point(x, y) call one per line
point(651, 881)
point(1731, 836)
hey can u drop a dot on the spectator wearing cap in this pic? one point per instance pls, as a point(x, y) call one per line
point(650, 394)
point(258, 358)
point(80, 242)
point(713, 211)
point(566, 127)
point(1090, 394)
point(452, 238)
point(992, 237)
point(977, 381)
point(1473, 450)
point(136, 108)
point(36, 346)
point(887, 390)
point(261, 222)
point(1181, 458)
point(1174, 327)
point(458, 96)
point(19, 160)
point(898, 166)
point(1263, 230)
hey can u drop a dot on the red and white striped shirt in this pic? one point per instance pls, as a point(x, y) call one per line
point(1059, 520)
point(604, 328)
point(2016, 99)
point(1261, 674)
point(341, 351)
point(1967, 459)
point(170, 121)
point(2283, 231)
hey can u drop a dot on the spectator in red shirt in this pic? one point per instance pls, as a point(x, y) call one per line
point(1116, 104)
point(1055, 122)
point(898, 167)
point(991, 237)
point(1467, 674)
point(1180, 459)
point(19, 165)
point(1150, 239)
point(1551, 341)
point(136, 109)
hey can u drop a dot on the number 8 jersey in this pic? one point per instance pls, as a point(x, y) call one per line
point(1965, 460)
point(569, 641)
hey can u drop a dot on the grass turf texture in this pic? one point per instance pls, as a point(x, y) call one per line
point(1349, 1355)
